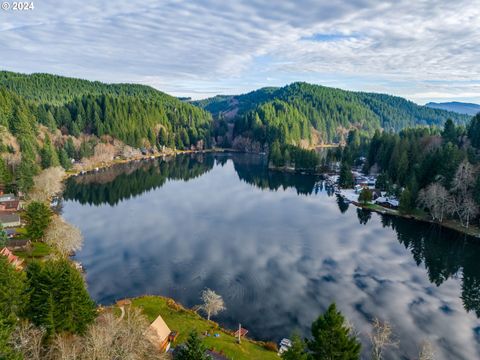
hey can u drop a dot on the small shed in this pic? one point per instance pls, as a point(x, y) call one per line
point(18, 244)
point(158, 333)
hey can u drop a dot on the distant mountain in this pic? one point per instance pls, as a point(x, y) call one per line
point(302, 111)
point(458, 107)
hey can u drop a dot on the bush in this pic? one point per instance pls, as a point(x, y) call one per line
point(271, 346)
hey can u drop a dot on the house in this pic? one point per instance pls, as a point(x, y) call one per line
point(387, 202)
point(158, 334)
point(12, 259)
point(9, 202)
point(8, 219)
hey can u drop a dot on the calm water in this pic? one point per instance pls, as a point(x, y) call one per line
point(278, 247)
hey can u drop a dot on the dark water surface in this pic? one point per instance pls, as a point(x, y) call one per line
point(279, 249)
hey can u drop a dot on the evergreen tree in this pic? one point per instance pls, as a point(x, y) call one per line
point(12, 301)
point(406, 202)
point(37, 217)
point(48, 154)
point(25, 173)
point(365, 196)
point(297, 351)
point(276, 154)
point(345, 179)
point(64, 159)
point(3, 237)
point(5, 175)
point(474, 131)
point(332, 339)
point(449, 132)
point(382, 182)
point(193, 349)
point(58, 298)
point(70, 148)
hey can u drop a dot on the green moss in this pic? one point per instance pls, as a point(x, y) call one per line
point(184, 321)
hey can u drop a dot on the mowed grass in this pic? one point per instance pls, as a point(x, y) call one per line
point(37, 251)
point(184, 321)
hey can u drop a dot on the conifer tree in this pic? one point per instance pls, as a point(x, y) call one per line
point(332, 339)
point(345, 179)
point(58, 299)
point(37, 217)
point(193, 349)
point(297, 351)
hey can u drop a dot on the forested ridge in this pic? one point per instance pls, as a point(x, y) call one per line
point(290, 113)
point(48, 120)
point(136, 114)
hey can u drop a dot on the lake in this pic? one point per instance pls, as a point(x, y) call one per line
point(278, 247)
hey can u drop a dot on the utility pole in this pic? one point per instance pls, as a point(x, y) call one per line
point(239, 333)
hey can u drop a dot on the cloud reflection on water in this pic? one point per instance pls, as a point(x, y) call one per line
point(277, 257)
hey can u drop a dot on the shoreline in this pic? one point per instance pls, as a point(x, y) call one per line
point(472, 231)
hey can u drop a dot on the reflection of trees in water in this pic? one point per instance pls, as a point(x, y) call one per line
point(253, 170)
point(129, 180)
point(342, 204)
point(444, 253)
point(364, 216)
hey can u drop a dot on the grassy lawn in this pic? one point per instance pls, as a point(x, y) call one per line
point(38, 250)
point(184, 321)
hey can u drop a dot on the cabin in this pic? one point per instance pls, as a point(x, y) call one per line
point(12, 259)
point(9, 220)
point(158, 334)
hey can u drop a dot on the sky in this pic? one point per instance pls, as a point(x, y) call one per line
point(423, 50)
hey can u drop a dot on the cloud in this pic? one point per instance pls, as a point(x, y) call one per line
point(202, 47)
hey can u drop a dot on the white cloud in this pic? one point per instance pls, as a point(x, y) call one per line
point(203, 47)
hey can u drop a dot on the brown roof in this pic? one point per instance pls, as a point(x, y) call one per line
point(158, 332)
point(10, 204)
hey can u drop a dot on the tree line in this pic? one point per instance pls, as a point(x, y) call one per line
point(431, 169)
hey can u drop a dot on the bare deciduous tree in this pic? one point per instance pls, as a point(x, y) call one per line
point(381, 338)
point(111, 338)
point(47, 184)
point(436, 199)
point(212, 303)
point(65, 347)
point(103, 152)
point(426, 352)
point(65, 237)
point(27, 340)
point(461, 202)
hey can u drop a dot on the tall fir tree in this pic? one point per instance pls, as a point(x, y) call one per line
point(59, 300)
point(332, 339)
point(193, 349)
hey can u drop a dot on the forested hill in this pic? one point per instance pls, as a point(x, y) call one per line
point(57, 90)
point(47, 120)
point(136, 114)
point(284, 112)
